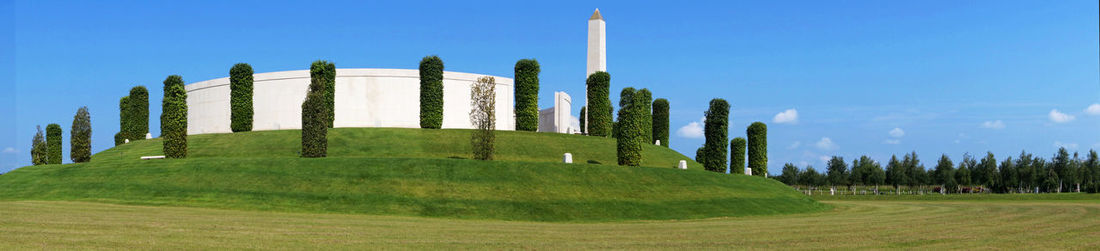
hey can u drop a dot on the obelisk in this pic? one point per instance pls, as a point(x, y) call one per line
point(597, 54)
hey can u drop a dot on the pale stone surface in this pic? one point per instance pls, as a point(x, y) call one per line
point(567, 158)
point(126, 141)
point(748, 171)
point(558, 118)
point(148, 136)
point(364, 98)
point(683, 164)
point(657, 143)
point(152, 157)
point(597, 44)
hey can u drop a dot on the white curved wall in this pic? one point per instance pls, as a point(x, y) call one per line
point(364, 98)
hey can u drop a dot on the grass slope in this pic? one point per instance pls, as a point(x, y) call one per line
point(258, 171)
point(853, 225)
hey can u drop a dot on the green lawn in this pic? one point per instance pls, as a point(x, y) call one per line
point(1084, 197)
point(921, 225)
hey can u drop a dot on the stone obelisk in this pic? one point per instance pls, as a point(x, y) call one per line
point(597, 54)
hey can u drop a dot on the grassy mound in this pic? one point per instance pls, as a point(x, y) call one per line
point(369, 171)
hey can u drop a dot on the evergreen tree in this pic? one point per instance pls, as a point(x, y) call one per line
point(660, 121)
point(431, 92)
point(240, 97)
point(80, 140)
point(173, 118)
point(737, 155)
point(53, 144)
point(837, 172)
point(715, 130)
point(38, 148)
point(789, 175)
point(944, 173)
point(527, 95)
point(599, 117)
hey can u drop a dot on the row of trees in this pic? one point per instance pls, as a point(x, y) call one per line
point(1026, 173)
point(47, 149)
point(713, 152)
point(641, 120)
point(133, 115)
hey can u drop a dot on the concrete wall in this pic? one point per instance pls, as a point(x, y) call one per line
point(364, 98)
point(557, 119)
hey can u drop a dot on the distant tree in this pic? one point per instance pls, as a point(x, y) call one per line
point(1092, 164)
point(985, 173)
point(1010, 178)
point(716, 130)
point(138, 113)
point(837, 172)
point(315, 115)
point(80, 140)
point(583, 125)
point(431, 92)
point(240, 97)
point(895, 173)
point(737, 155)
point(173, 118)
point(644, 103)
point(630, 127)
point(53, 144)
point(812, 178)
point(1027, 173)
point(527, 95)
point(38, 148)
point(789, 175)
point(915, 173)
point(660, 121)
point(758, 147)
point(1060, 164)
point(599, 117)
point(857, 175)
point(962, 174)
point(876, 176)
point(483, 117)
point(944, 172)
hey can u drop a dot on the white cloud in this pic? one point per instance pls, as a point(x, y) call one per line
point(794, 145)
point(790, 116)
point(892, 141)
point(1059, 117)
point(1070, 146)
point(1093, 109)
point(10, 150)
point(897, 133)
point(825, 144)
point(693, 130)
point(996, 124)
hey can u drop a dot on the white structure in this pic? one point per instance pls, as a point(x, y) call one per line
point(597, 50)
point(748, 171)
point(683, 164)
point(557, 119)
point(567, 158)
point(364, 98)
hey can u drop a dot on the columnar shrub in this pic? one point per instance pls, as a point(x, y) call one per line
point(124, 118)
point(119, 139)
point(173, 118)
point(645, 114)
point(660, 121)
point(240, 97)
point(53, 144)
point(38, 148)
point(715, 129)
point(737, 155)
point(599, 117)
point(314, 128)
point(700, 155)
point(630, 127)
point(483, 117)
point(431, 92)
point(758, 147)
point(582, 119)
point(80, 136)
point(527, 95)
point(325, 73)
point(139, 113)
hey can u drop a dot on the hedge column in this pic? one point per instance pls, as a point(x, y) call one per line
point(758, 148)
point(715, 129)
point(80, 140)
point(599, 117)
point(581, 118)
point(431, 92)
point(53, 144)
point(173, 118)
point(737, 155)
point(660, 121)
point(240, 97)
point(138, 114)
point(315, 115)
point(123, 120)
point(644, 101)
point(527, 95)
point(629, 129)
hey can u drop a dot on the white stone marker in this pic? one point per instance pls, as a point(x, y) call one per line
point(748, 171)
point(683, 164)
point(658, 142)
point(568, 158)
point(148, 136)
point(127, 141)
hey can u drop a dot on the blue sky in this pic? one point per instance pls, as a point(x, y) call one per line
point(864, 77)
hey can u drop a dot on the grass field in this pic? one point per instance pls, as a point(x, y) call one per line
point(924, 225)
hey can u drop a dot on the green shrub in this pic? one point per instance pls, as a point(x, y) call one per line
point(240, 97)
point(758, 148)
point(80, 139)
point(483, 117)
point(700, 155)
point(314, 128)
point(630, 130)
point(38, 148)
point(527, 95)
point(644, 101)
point(599, 117)
point(431, 92)
point(660, 121)
point(737, 155)
point(173, 118)
point(715, 129)
point(582, 119)
point(53, 144)
point(138, 113)
point(124, 114)
point(120, 139)
point(325, 73)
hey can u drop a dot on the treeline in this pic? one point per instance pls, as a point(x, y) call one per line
point(1026, 173)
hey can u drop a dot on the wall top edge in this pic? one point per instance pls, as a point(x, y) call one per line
point(347, 72)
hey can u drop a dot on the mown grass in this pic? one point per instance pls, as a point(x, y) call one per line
point(921, 225)
point(1082, 197)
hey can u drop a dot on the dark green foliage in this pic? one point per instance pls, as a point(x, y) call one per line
point(119, 139)
point(80, 137)
point(483, 117)
point(599, 117)
point(644, 103)
point(315, 120)
point(53, 144)
point(837, 172)
point(582, 119)
point(124, 114)
point(758, 148)
point(811, 178)
point(962, 174)
point(630, 128)
point(715, 129)
point(944, 173)
point(660, 121)
point(38, 148)
point(173, 118)
point(431, 93)
point(895, 172)
point(527, 95)
point(700, 155)
point(324, 73)
point(737, 155)
point(240, 97)
point(1009, 177)
point(789, 175)
point(138, 113)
